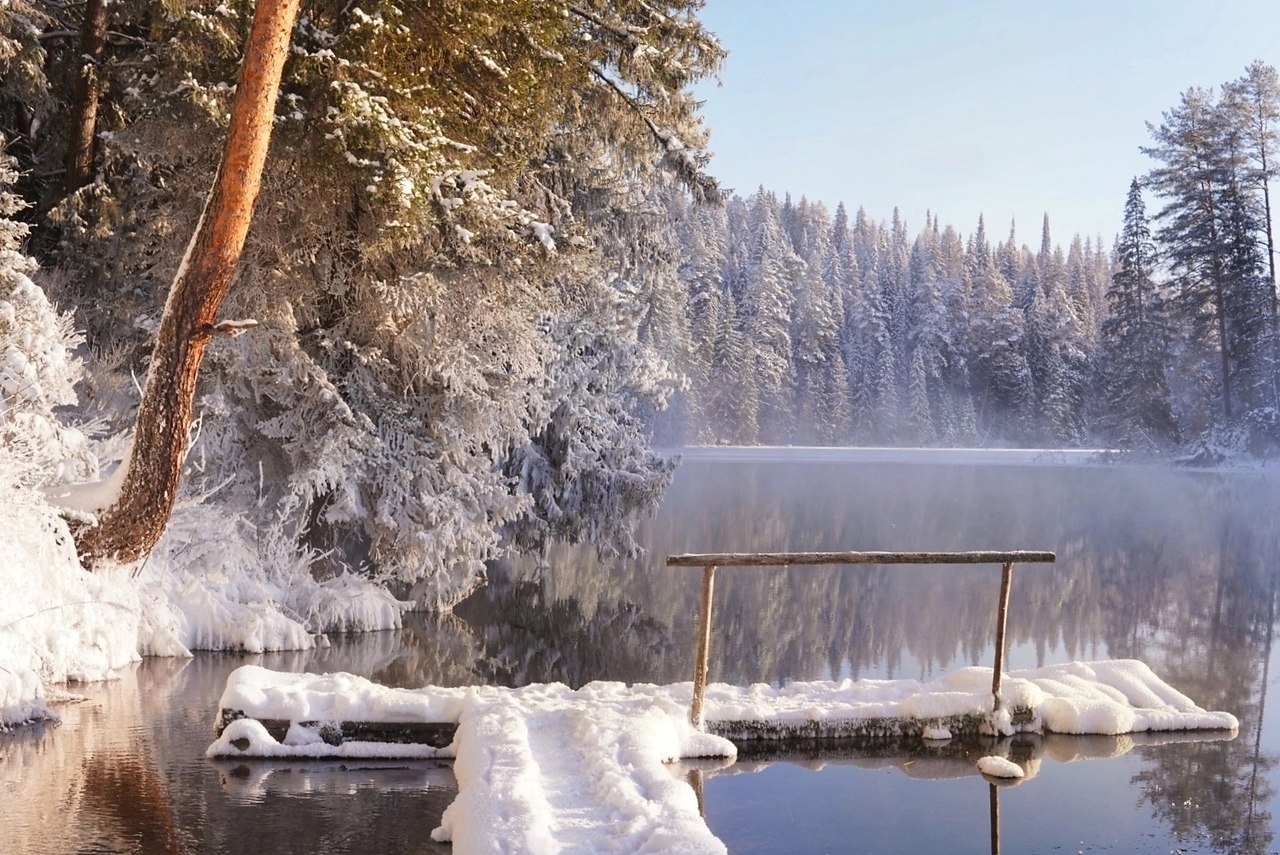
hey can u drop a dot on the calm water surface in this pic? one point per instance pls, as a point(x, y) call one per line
point(1177, 568)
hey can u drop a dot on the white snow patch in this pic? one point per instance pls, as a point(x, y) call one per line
point(1000, 767)
point(92, 497)
point(57, 622)
point(939, 734)
point(549, 769)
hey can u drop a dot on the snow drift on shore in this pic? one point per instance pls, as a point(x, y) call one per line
point(59, 623)
point(213, 583)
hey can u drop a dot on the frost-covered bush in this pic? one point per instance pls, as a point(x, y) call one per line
point(218, 582)
point(38, 372)
point(57, 623)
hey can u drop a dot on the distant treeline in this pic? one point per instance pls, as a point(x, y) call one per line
point(807, 327)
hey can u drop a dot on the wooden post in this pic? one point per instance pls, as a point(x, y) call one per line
point(709, 561)
point(1002, 614)
point(704, 646)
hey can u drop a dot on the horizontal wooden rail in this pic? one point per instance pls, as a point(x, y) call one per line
point(709, 561)
point(785, 559)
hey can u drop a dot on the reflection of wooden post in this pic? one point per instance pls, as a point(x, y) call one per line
point(995, 819)
point(696, 781)
point(1002, 613)
point(704, 646)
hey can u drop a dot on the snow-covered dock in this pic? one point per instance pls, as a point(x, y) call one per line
point(546, 768)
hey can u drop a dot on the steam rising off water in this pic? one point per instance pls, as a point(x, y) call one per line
point(1177, 568)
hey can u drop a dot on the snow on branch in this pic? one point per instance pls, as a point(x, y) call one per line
point(229, 328)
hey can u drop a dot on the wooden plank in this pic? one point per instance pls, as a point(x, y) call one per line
point(436, 734)
point(784, 559)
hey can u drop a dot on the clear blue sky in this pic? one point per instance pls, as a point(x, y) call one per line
point(1012, 108)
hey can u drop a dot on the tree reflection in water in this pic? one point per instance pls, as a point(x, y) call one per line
point(1176, 568)
point(125, 796)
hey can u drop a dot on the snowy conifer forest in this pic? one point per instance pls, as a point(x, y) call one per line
point(811, 327)
point(492, 274)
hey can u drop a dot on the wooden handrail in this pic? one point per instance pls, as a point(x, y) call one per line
point(784, 559)
point(709, 561)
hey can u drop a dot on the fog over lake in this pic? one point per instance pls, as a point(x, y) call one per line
point(1175, 567)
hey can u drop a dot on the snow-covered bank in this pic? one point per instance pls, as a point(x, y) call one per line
point(207, 587)
point(549, 769)
point(59, 623)
point(214, 582)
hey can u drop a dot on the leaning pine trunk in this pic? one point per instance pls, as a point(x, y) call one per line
point(132, 526)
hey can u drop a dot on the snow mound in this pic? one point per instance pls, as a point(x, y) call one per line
point(220, 583)
point(539, 769)
point(548, 769)
point(1000, 767)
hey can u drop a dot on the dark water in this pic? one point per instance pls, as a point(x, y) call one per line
point(1179, 569)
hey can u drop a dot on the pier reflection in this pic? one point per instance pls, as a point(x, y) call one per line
point(1178, 569)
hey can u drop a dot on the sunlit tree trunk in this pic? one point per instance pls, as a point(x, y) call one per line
point(130, 528)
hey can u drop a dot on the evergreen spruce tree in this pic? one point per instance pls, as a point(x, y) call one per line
point(768, 298)
point(1002, 384)
point(815, 331)
point(731, 400)
point(1137, 410)
point(1193, 176)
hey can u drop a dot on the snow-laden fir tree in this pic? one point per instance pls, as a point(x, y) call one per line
point(1212, 235)
point(771, 268)
point(1135, 341)
point(1004, 397)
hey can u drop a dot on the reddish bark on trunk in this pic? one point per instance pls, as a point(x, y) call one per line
point(132, 526)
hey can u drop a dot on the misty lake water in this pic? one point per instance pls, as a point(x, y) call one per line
point(1177, 568)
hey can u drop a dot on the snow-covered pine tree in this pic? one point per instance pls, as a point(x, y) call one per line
point(1191, 177)
point(932, 339)
point(771, 266)
point(955, 413)
point(1253, 103)
point(24, 87)
point(703, 235)
point(1137, 409)
point(815, 334)
point(731, 400)
point(1003, 394)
